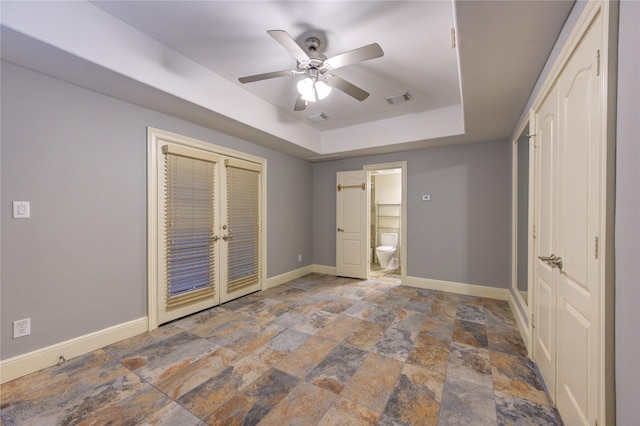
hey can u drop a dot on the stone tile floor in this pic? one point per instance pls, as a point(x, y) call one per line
point(319, 350)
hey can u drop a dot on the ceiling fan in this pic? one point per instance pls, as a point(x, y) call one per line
point(316, 66)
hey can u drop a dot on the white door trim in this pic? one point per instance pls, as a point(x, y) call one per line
point(519, 302)
point(403, 212)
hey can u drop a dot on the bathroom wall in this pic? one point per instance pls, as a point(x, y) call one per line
point(389, 188)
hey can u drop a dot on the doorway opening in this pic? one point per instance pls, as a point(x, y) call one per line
point(386, 220)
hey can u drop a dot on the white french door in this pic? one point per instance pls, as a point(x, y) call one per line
point(205, 227)
point(188, 216)
point(240, 230)
point(351, 221)
point(569, 206)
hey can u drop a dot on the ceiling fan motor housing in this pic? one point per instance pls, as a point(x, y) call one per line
point(312, 43)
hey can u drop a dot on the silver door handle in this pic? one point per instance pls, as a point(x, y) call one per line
point(227, 237)
point(547, 258)
point(553, 260)
point(340, 230)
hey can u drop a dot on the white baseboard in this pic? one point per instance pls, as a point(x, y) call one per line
point(288, 276)
point(24, 364)
point(522, 325)
point(458, 288)
point(322, 269)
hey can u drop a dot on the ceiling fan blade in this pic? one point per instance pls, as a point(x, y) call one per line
point(290, 44)
point(361, 54)
point(301, 104)
point(348, 88)
point(265, 76)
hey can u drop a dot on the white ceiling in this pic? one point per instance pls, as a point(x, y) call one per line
point(230, 38)
point(475, 92)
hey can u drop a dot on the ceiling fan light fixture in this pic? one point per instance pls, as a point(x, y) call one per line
point(322, 89)
point(305, 88)
point(312, 91)
point(311, 62)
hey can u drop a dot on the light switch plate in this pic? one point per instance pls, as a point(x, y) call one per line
point(21, 210)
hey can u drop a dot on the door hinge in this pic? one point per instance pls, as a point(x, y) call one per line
point(534, 231)
point(453, 38)
point(598, 62)
point(533, 321)
point(597, 247)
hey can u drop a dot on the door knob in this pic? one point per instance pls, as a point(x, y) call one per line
point(227, 237)
point(557, 262)
point(340, 230)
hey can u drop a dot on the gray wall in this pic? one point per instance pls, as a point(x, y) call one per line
point(79, 264)
point(627, 321)
point(459, 234)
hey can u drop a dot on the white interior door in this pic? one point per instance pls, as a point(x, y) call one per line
point(569, 202)
point(351, 232)
point(545, 281)
point(579, 185)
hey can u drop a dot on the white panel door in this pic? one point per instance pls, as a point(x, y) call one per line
point(545, 281)
point(351, 232)
point(569, 200)
point(579, 185)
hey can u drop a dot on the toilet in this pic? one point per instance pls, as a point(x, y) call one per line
point(387, 248)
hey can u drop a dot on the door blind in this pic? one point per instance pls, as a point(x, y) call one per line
point(189, 225)
point(243, 212)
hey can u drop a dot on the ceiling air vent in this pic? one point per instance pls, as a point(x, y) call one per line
point(317, 118)
point(397, 98)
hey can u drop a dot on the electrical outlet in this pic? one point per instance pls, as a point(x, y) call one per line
point(21, 328)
